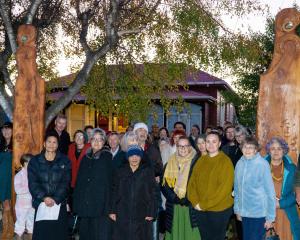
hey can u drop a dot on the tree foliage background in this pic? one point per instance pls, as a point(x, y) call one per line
point(179, 35)
point(245, 99)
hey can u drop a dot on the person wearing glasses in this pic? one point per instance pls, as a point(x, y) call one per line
point(181, 218)
point(287, 222)
point(254, 194)
point(91, 196)
point(210, 188)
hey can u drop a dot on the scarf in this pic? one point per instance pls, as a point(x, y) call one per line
point(177, 172)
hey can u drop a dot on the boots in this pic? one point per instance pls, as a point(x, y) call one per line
point(8, 225)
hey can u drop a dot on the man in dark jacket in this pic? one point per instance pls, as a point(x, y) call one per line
point(119, 157)
point(152, 153)
point(64, 137)
point(231, 148)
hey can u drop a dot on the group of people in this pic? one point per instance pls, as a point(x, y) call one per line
point(134, 185)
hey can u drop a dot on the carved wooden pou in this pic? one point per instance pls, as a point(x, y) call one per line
point(279, 94)
point(29, 111)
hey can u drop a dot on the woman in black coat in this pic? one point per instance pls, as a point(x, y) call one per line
point(92, 190)
point(49, 177)
point(133, 199)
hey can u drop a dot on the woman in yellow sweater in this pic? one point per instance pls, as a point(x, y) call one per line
point(210, 188)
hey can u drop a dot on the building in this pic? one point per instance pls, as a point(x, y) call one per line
point(203, 97)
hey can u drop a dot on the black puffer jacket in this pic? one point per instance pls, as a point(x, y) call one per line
point(49, 179)
point(93, 184)
point(172, 199)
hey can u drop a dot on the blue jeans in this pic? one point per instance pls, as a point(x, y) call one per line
point(253, 228)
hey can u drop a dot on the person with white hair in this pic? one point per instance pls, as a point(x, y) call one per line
point(92, 190)
point(152, 152)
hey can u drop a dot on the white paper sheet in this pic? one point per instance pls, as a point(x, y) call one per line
point(47, 213)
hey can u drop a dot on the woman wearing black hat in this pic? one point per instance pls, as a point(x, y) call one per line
point(133, 199)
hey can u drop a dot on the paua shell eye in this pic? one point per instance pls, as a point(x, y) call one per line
point(24, 38)
point(289, 25)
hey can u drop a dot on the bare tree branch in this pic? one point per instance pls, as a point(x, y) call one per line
point(5, 103)
point(213, 18)
point(4, 56)
point(110, 42)
point(128, 32)
point(32, 11)
point(83, 33)
point(8, 26)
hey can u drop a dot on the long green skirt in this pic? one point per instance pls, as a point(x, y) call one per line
point(181, 226)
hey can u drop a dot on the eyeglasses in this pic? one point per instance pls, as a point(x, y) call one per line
point(97, 140)
point(183, 146)
point(239, 135)
point(249, 147)
point(79, 136)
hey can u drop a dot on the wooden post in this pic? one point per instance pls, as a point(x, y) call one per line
point(29, 101)
point(29, 111)
point(279, 95)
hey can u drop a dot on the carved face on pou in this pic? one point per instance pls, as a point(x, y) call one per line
point(26, 36)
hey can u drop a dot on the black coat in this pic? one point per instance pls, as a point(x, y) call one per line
point(119, 159)
point(93, 184)
point(152, 157)
point(49, 179)
point(133, 199)
point(171, 199)
point(233, 152)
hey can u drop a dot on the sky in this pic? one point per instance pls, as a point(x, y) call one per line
point(254, 22)
point(257, 22)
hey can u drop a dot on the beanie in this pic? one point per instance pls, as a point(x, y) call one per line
point(140, 125)
point(134, 150)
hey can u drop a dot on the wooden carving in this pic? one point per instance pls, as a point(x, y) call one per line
point(279, 95)
point(29, 98)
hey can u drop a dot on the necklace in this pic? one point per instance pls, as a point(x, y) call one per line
point(278, 179)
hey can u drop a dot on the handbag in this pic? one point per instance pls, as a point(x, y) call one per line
point(273, 235)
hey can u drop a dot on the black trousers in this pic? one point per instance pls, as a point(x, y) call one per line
point(95, 228)
point(213, 225)
point(54, 229)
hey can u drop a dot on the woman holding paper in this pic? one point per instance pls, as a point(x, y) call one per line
point(49, 176)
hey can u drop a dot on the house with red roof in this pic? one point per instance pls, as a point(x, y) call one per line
point(206, 106)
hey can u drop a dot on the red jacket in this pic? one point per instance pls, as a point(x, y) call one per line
point(76, 162)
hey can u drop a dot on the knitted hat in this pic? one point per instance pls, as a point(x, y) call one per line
point(134, 150)
point(140, 125)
